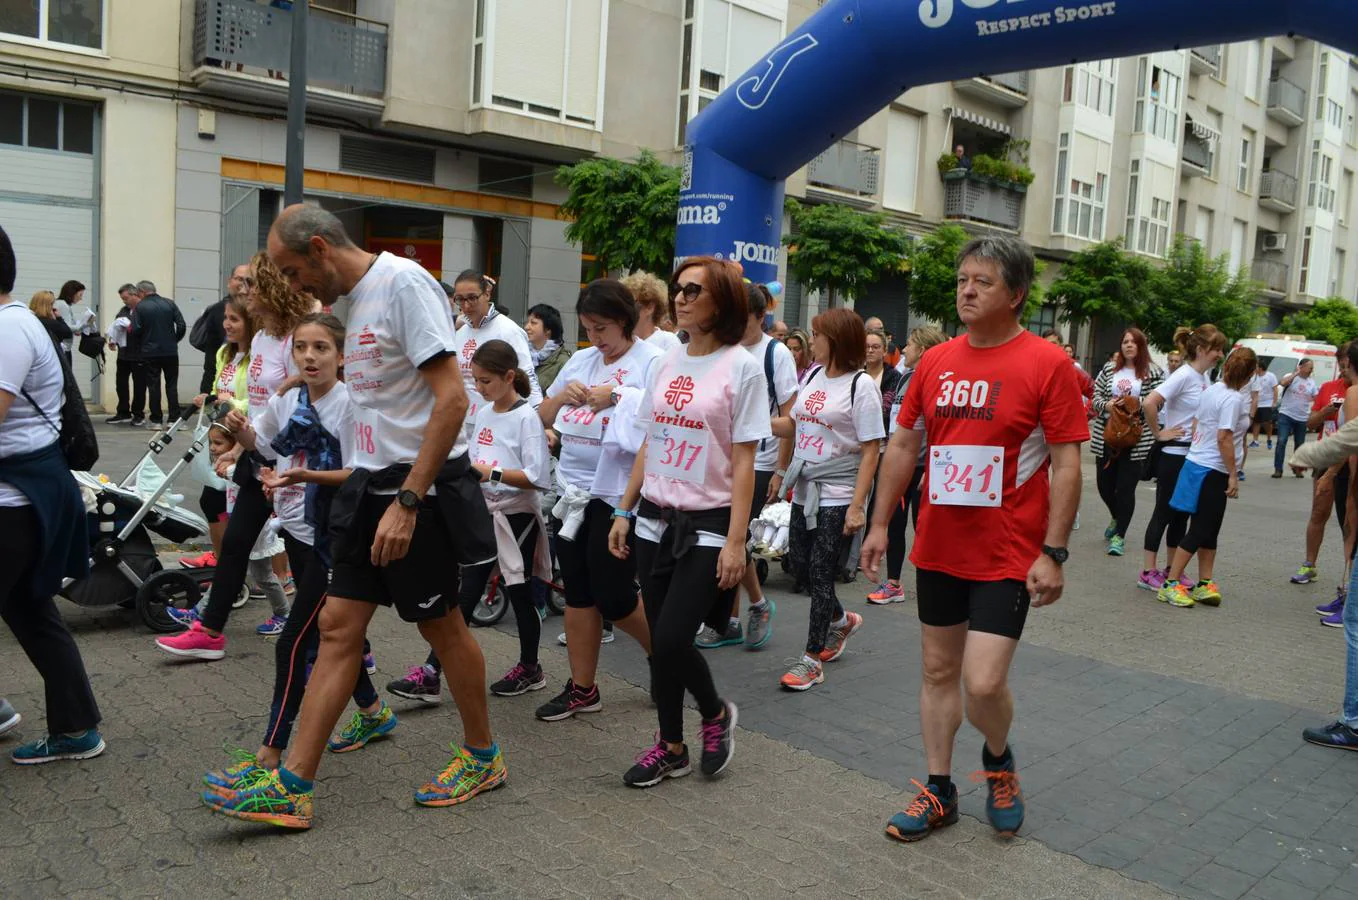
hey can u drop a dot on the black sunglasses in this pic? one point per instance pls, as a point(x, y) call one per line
point(690, 290)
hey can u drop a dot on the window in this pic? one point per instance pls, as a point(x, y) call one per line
point(1345, 196)
point(1337, 273)
point(1202, 226)
point(543, 60)
point(1251, 70)
point(1334, 113)
point(46, 123)
point(1351, 129)
point(1157, 241)
point(1321, 82)
point(1043, 320)
point(1304, 270)
point(1320, 189)
point(1133, 201)
point(902, 160)
point(1239, 235)
point(1157, 104)
point(1246, 167)
point(1091, 85)
point(721, 40)
point(75, 23)
point(1081, 186)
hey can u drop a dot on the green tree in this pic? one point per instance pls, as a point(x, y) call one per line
point(1334, 321)
point(841, 250)
point(1103, 281)
point(623, 211)
point(933, 276)
point(1193, 288)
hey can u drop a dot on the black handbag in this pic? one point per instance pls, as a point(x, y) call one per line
point(76, 435)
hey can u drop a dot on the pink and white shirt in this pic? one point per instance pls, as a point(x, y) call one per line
point(834, 419)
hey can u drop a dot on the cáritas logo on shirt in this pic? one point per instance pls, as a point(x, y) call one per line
point(680, 392)
point(485, 437)
point(815, 402)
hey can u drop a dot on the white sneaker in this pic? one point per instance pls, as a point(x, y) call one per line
point(606, 639)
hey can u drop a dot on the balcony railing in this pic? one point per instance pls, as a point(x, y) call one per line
point(1286, 102)
point(1272, 274)
point(974, 198)
point(1278, 189)
point(1197, 155)
point(1205, 60)
point(1004, 89)
point(846, 166)
point(344, 53)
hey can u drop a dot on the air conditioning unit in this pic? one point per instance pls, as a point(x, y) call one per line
point(1275, 242)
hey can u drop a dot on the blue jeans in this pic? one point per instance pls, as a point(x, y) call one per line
point(1351, 659)
point(1287, 425)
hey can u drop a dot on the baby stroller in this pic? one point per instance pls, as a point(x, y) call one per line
point(124, 569)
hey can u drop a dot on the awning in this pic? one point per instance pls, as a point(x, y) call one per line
point(980, 121)
point(1198, 120)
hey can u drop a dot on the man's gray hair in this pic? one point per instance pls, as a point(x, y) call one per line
point(296, 227)
point(128, 288)
point(146, 287)
point(1012, 254)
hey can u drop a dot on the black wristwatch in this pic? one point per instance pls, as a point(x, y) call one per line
point(1058, 555)
point(408, 499)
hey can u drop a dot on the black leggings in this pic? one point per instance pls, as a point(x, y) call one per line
point(676, 604)
point(1117, 480)
point(297, 644)
point(815, 563)
point(1205, 524)
point(1166, 522)
point(39, 628)
point(906, 509)
point(248, 516)
point(473, 589)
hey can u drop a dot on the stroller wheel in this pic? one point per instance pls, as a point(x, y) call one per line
point(491, 608)
point(761, 568)
point(170, 587)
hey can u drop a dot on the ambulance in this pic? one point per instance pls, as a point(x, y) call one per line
point(1282, 353)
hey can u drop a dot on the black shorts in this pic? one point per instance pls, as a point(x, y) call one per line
point(761, 492)
point(422, 585)
point(595, 578)
point(1265, 415)
point(213, 504)
point(995, 607)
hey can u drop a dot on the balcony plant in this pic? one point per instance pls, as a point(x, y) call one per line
point(947, 167)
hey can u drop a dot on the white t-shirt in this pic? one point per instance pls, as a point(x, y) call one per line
point(399, 319)
point(495, 327)
point(581, 429)
point(784, 389)
point(664, 341)
point(28, 361)
point(1267, 383)
point(1298, 398)
point(1181, 392)
point(336, 413)
point(1125, 383)
point(1220, 408)
point(270, 365)
point(829, 425)
point(514, 439)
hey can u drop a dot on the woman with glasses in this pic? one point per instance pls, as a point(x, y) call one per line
point(472, 298)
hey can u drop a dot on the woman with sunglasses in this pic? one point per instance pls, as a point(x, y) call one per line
point(472, 298)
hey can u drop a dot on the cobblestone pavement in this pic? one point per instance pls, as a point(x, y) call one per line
point(1159, 750)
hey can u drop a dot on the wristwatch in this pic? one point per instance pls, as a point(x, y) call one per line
point(1058, 555)
point(497, 474)
point(408, 499)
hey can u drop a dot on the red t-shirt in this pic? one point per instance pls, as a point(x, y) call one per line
point(1328, 391)
point(989, 412)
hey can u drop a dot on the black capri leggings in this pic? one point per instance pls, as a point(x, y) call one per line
point(1205, 524)
point(815, 563)
point(249, 515)
point(1117, 479)
point(1166, 521)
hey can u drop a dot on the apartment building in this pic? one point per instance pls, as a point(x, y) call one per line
point(145, 139)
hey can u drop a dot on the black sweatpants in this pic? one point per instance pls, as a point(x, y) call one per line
point(676, 604)
point(155, 368)
point(1117, 478)
point(130, 386)
point(39, 629)
point(249, 515)
point(1205, 525)
point(815, 563)
point(1166, 522)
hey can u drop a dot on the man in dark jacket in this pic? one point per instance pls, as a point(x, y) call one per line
point(128, 381)
point(208, 333)
point(159, 327)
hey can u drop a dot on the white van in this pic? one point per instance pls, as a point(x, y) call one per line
point(1281, 353)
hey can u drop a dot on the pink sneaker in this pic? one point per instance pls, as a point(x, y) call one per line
point(195, 643)
point(1152, 580)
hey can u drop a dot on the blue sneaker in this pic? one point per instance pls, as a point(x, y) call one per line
point(1117, 545)
point(185, 617)
point(1240, 474)
point(710, 639)
point(1004, 805)
point(1337, 735)
point(1111, 530)
point(925, 813)
point(1334, 606)
point(272, 625)
point(58, 746)
point(361, 729)
point(370, 664)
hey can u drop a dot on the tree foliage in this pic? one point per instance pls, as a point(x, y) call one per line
point(841, 250)
point(624, 211)
point(933, 276)
point(1103, 281)
point(1334, 321)
point(1193, 288)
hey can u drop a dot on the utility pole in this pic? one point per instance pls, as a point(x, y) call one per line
point(296, 142)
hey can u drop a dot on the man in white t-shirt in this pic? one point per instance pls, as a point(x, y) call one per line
point(1294, 407)
point(390, 533)
point(1268, 402)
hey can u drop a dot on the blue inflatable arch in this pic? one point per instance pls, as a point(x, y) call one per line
point(853, 57)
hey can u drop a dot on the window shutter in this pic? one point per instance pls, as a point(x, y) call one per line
point(582, 82)
point(529, 52)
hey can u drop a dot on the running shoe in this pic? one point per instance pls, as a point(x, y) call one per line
point(1151, 579)
point(1270, 444)
point(760, 627)
point(243, 597)
point(242, 767)
point(1004, 804)
point(1175, 593)
point(1254, 445)
point(465, 776)
point(1240, 474)
point(804, 674)
point(1337, 735)
point(657, 764)
point(421, 683)
point(1276, 475)
point(206, 560)
point(118, 420)
point(569, 702)
point(1117, 545)
point(926, 812)
point(264, 798)
point(185, 617)
point(1306, 574)
point(1075, 526)
point(272, 625)
point(1334, 606)
point(58, 746)
point(289, 585)
point(136, 422)
point(887, 593)
point(709, 639)
point(1207, 593)
point(1334, 620)
point(605, 638)
point(195, 643)
point(520, 680)
point(719, 741)
point(838, 637)
point(1111, 530)
point(370, 664)
point(363, 728)
point(9, 718)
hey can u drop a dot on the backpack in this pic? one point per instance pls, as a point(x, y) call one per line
point(76, 435)
point(200, 336)
point(1122, 431)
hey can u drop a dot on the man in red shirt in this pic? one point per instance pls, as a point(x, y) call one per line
point(1330, 486)
point(998, 407)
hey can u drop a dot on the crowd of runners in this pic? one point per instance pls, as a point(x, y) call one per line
point(428, 443)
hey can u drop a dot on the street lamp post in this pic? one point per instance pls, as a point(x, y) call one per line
point(296, 142)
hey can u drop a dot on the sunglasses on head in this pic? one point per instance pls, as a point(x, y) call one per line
point(690, 290)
